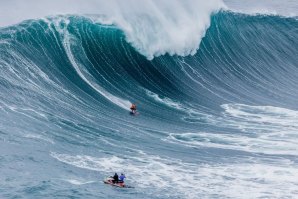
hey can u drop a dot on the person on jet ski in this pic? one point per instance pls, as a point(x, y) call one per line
point(115, 178)
point(121, 178)
point(133, 108)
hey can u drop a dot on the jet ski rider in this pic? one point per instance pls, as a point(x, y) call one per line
point(115, 178)
point(121, 178)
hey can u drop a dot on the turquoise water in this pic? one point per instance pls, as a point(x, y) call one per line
point(221, 123)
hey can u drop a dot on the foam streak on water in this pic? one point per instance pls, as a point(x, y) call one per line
point(264, 129)
point(260, 179)
point(219, 123)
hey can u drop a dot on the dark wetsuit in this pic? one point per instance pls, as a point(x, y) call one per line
point(116, 179)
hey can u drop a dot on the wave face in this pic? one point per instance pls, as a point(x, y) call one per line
point(154, 27)
point(221, 123)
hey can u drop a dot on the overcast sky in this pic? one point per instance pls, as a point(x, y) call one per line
point(14, 11)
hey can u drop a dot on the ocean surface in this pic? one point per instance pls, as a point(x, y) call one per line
point(216, 88)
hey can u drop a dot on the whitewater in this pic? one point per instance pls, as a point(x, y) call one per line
point(215, 85)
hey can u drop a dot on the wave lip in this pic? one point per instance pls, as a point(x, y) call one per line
point(157, 28)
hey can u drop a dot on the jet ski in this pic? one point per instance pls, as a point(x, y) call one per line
point(109, 180)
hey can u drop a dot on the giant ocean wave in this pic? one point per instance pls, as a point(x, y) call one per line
point(225, 111)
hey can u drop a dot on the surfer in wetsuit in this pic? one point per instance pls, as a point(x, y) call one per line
point(133, 108)
point(115, 178)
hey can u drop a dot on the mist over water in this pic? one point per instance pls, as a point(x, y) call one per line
point(216, 91)
point(275, 7)
point(152, 27)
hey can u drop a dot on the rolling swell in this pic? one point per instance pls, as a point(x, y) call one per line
point(242, 58)
point(70, 81)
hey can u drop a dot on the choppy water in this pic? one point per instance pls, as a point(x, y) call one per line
point(221, 123)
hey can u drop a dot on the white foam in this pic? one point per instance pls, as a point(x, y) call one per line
point(174, 178)
point(191, 112)
point(78, 182)
point(263, 129)
point(166, 101)
point(159, 27)
point(153, 27)
point(260, 114)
